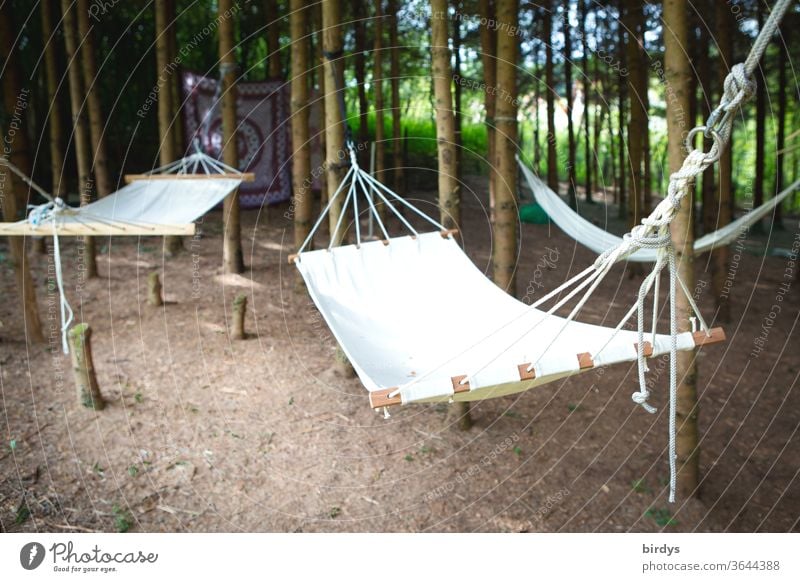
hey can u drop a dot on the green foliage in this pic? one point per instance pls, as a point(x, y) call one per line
point(661, 516)
point(123, 520)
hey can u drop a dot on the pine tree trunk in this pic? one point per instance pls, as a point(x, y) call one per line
point(571, 181)
point(394, 71)
point(458, 89)
point(175, 85)
point(232, 258)
point(15, 101)
point(504, 244)
point(677, 72)
point(637, 121)
point(80, 131)
point(377, 81)
point(705, 82)
point(273, 38)
point(316, 17)
point(361, 74)
point(80, 342)
point(166, 107)
point(337, 158)
point(587, 89)
point(56, 123)
point(488, 38)
point(552, 154)
point(621, 97)
point(301, 154)
point(537, 97)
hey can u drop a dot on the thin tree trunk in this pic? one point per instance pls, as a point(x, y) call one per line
point(361, 73)
point(301, 156)
point(761, 118)
point(316, 17)
point(394, 71)
point(537, 93)
point(583, 13)
point(488, 38)
point(621, 97)
point(332, 43)
point(377, 80)
point(777, 221)
point(175, 85)
point(166, 108)
point(15, 102)
point(677, 72)
point(705, 82)
point(720, 254)
point(647, 186)
point(273, 39)
point(504, 245)
point(232, 258)
point(457, 94)
point(637, 120)
point(571, 180)
point(80, 131)
point(552, 154)
point(56, 123)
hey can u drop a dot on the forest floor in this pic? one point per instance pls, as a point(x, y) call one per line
point(202, 433)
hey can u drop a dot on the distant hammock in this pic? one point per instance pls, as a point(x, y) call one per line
point(599, 240)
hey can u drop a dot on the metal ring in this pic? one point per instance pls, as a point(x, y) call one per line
point(715, 153)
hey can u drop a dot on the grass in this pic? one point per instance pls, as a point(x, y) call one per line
point(133, 470)
point(334, 512)
point(122, 519)
point(661, 516)
point(409, 457)
point(639, 486)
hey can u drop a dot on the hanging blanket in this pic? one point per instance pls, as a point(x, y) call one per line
point(263, 133)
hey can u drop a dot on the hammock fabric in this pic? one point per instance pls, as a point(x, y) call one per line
point(599, 240)
point(158, 206)
point(455, 323)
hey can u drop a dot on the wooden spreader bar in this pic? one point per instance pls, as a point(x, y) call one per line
point(106, 228)
point(244, 177)
point(380, 398)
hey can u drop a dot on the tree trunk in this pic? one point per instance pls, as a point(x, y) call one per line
point(81, 137)
point(175, 85)
point(301, 154)
point(361, 73)
point(80, 342)
point(15, 102)
point(587, 89)
point(457, 94)
point(449, 195)
point(488, 38)
point(377, 80)
point(337, 157)
point(239, 311)
point(621, 96)
point(273, 38)
point(56, 123)
point(232, 258)
point(706, 96)
point(637, 120)
point(761, 118)
point(316, 17)
point(571, 181)
point(504, 245)
point(394, 71)
point(166, 108)
point(777, 221)
point(552, 154)
point(720, 254)
point(154, 297)
point(537, 97)
point(677, 72)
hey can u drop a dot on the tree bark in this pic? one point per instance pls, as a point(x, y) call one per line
point(488, 38)
point(377, 81)
point(81, 137)
point(449, 194)
point(166, 108)
point(722, 203)
point(154, 297)
point(677, 72)
point(777, 220)
point(15, 102)
point(80, 342)
point(232, 258)
point(336, 156)
point(705, 83)
point(361, 74)
point(458, 88)
point(504, 247)
point(275, 70)
point(239, 311)
point(56, 123)
point(761, 118)
point(637, 120)
point(571, 180)
point(394, 72)
point(301, 155)
point(583, 13)
point(552, 154)
point(621, 97)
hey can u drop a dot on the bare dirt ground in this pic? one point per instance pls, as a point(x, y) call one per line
point(202, 433)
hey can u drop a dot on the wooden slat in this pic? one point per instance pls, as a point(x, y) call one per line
point(96, 229)
point(585, 361)
point(380, 398)
point(448, 232)
point(524, 374)
point(245, 177)
point(458, 386)
point(648, 349)
point(715, 336)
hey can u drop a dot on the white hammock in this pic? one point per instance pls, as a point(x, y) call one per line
point(599, 240)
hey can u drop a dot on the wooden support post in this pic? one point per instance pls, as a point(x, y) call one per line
point(83, 367)
point(239, 310)
point(154, 290)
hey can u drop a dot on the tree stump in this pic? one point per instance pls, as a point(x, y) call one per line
point(343, 365)
point(239, 310)
point(154, 290)
point(83, 367)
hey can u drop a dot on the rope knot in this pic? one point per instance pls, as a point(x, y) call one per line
point(641, 397)
point(738, 87)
